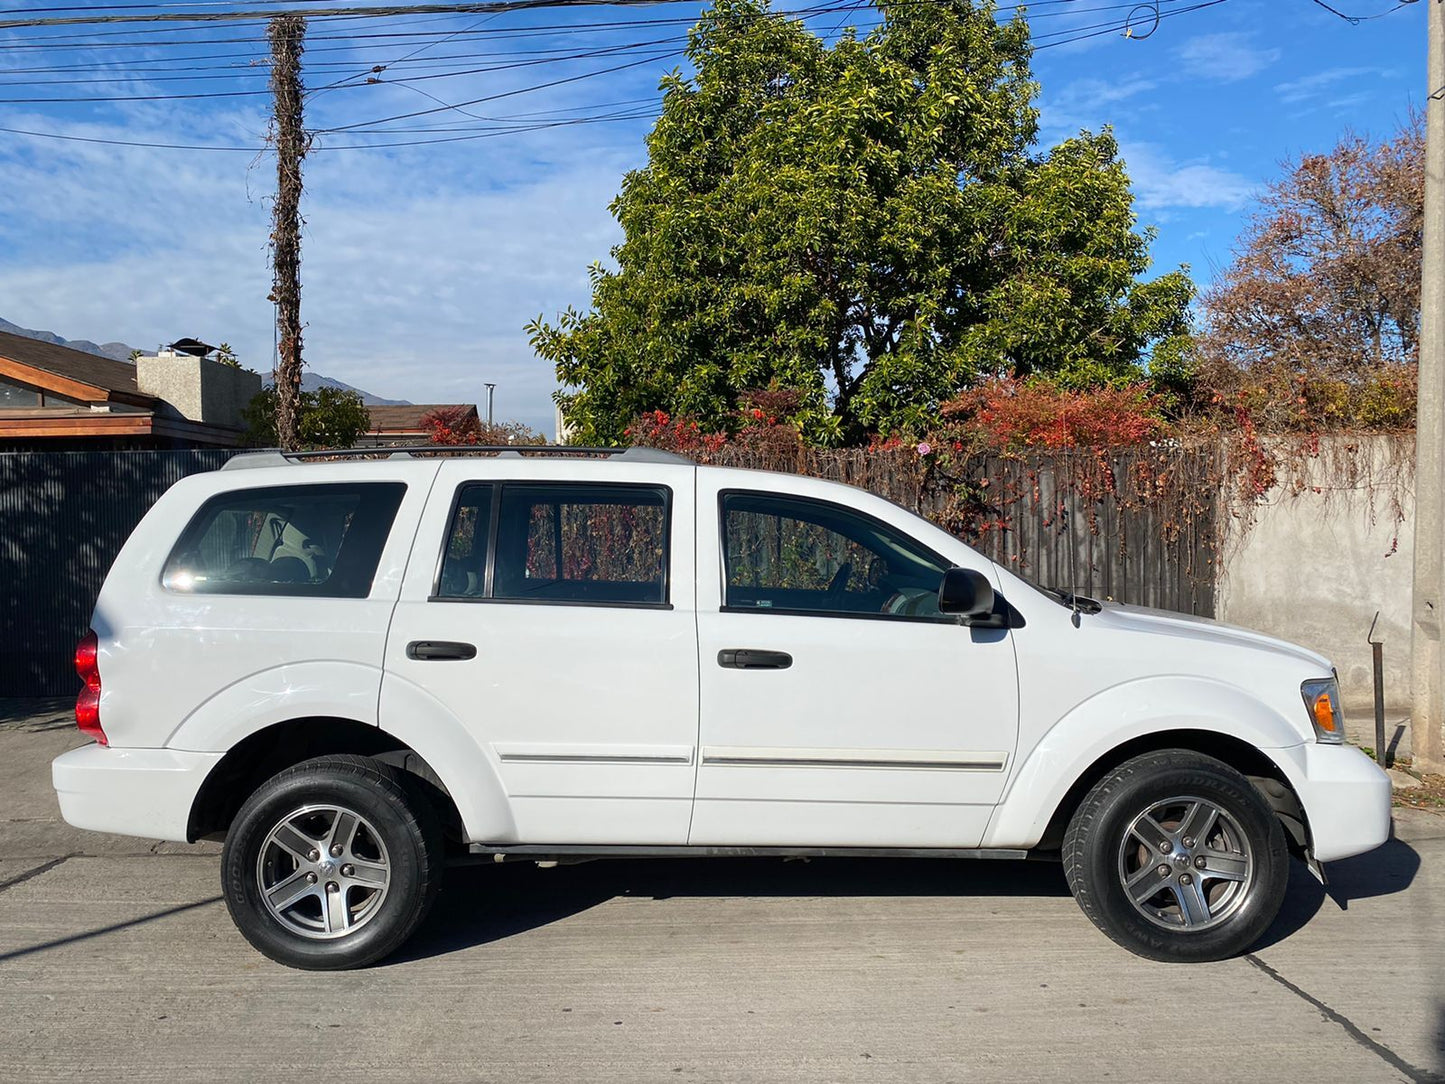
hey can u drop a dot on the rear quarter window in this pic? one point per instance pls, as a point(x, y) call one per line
point(321, 541)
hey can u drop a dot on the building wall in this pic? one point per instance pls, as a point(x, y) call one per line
point(1315, 565)
point(198, 389)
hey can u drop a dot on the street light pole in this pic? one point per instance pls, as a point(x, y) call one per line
point(1427, 660)
point(490, 389)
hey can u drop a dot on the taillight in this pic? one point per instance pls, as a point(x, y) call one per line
point(87, 704)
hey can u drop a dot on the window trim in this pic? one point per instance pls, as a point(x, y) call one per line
point(499, 487)
point(792, 611)
point(190, 534)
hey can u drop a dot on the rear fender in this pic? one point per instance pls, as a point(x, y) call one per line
point(418, 719)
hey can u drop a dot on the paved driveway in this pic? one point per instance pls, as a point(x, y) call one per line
point(117, 960)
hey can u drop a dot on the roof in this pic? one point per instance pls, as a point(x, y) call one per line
point(73, 374)
point(406, 419)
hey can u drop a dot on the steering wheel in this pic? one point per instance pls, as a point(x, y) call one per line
point(840, 578)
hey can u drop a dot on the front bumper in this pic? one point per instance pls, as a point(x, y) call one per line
point(131, 792)
point(1346, 799)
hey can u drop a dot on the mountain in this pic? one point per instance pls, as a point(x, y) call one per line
point(121, 352)
point(311, 381)
point(114, 351)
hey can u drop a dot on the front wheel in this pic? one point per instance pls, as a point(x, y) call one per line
point(330, 864)
point(1176, 857)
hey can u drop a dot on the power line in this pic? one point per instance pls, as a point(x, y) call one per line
point(1356, 20)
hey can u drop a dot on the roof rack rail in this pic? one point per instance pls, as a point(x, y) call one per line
point(276, 458)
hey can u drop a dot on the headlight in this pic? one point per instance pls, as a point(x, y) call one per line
point(1322, 701)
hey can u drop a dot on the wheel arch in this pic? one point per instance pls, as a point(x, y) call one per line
point(1250, 761)
point(274, 748)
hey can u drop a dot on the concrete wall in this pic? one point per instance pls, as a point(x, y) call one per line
point(1315, 566)
point(197, 389)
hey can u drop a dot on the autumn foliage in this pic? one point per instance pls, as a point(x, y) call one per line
point(460, 425)
point(1006, 414)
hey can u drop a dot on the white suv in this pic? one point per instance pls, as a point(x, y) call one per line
point(351, 670)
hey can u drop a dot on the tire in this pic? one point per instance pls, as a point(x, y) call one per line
point(1138, 829)
point(331, 864)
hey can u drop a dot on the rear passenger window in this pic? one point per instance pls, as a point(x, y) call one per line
point(464, 564)
point(601, 544)
point(319, 540)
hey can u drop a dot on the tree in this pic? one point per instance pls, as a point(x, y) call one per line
point(328, 418)
point(1318, 317)
point(227, 356)
point(460, 425)
point(866, 225)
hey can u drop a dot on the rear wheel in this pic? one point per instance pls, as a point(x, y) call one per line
point(330, 864)
point(1176, 856)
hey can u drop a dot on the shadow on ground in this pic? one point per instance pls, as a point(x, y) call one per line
point(30, 715)
point(520, 897)
point(1381, 872)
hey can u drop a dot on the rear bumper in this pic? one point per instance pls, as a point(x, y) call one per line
point(131, 792)
point(1346, 798)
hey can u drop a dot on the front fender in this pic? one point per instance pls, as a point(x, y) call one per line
point(416, 717)
point(1134, 709)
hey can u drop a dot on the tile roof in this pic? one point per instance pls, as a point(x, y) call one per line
point(77, 365)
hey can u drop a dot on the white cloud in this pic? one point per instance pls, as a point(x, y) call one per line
point(419, 269)
point(1161, 183)
point(1093, 103)
point(1224, 58)
point(1318, 83)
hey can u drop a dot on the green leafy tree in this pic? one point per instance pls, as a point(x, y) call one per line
point(227, 356)
point(329, 418)
point(867, 225)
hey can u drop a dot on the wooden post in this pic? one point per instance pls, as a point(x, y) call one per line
point(286, 33)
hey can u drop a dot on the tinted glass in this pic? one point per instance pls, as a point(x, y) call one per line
point(600, 544)
point(321, 540)
point(13, 395)
point(464, 564)
point(784, 553)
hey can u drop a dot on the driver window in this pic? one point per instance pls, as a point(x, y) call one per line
point(800, 555)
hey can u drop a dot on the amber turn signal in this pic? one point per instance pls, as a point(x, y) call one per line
point(1322, 699)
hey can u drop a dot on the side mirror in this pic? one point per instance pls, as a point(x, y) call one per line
point(966, 593)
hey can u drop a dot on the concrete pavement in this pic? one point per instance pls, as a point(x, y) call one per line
point(117, 960)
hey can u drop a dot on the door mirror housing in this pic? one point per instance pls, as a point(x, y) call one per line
point(968, 594)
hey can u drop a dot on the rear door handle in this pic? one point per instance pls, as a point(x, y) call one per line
point(425, 650)
point(747, 658)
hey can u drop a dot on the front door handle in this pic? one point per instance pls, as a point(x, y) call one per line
point(425, 650)
point(747, 658)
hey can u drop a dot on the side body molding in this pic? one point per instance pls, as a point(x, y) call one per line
point(1120, 714)
point(413, 716)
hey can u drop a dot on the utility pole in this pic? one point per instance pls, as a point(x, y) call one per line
point(286, 33)
point(490, 389)
point(1427, 722)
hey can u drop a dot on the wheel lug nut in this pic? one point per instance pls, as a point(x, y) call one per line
point(314, 856)
point(336, 850)
point(311, 878)
point(1185, 879)
point(1164, 846)
point(347, 871)
point(1188, 841)
point(1163, 871)
point(1199, 862)
point(332, 886)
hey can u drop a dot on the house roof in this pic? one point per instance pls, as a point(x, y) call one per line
point(407, 419)
point(73, 374)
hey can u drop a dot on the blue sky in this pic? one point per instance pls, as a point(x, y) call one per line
point(421, 263)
